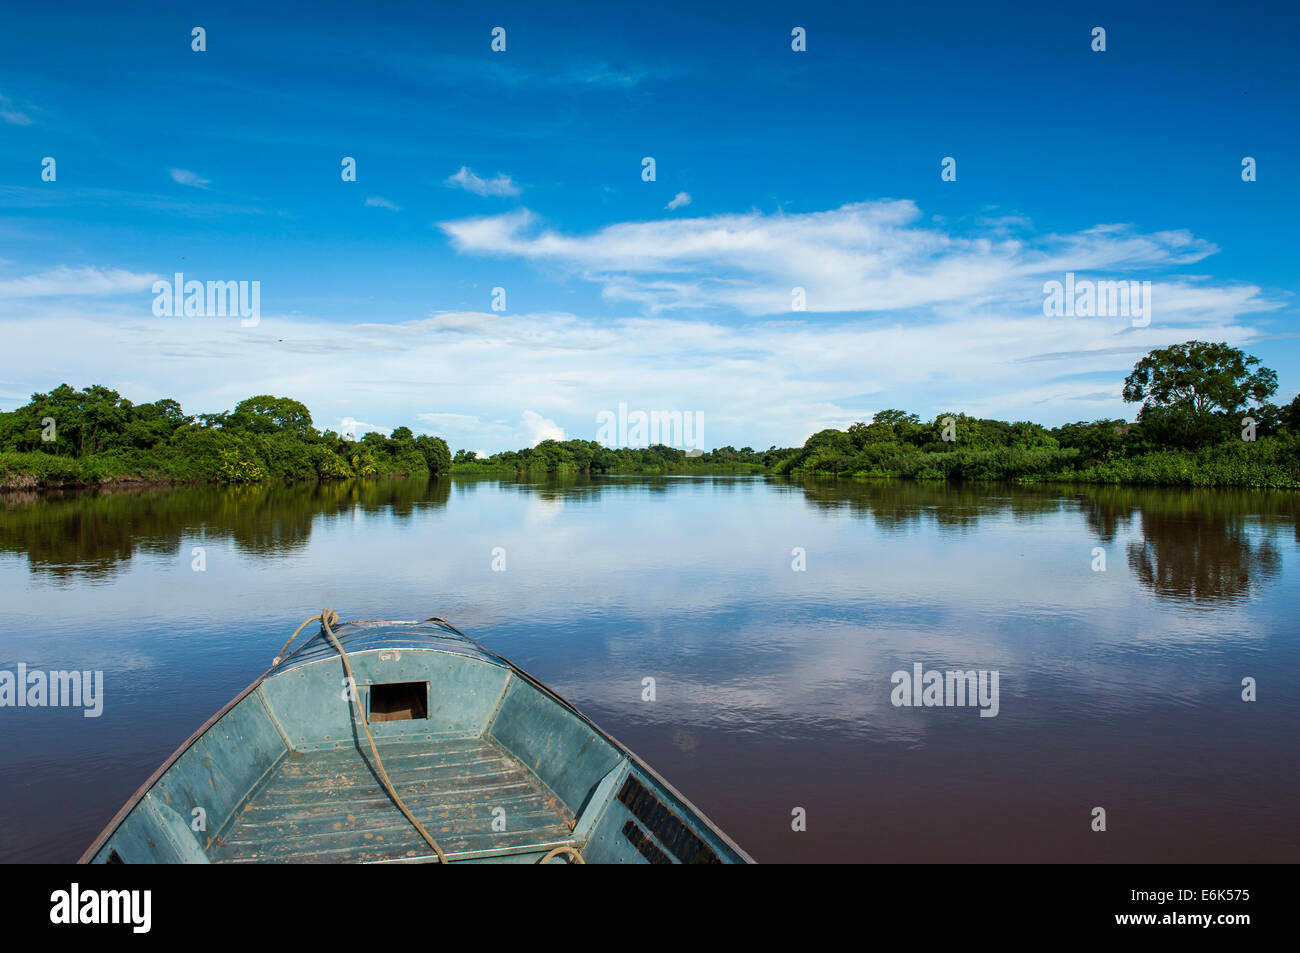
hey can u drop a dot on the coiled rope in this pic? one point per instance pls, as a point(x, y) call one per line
point(571, 851)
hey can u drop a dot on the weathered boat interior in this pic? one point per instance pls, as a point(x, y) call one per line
point(493, 764)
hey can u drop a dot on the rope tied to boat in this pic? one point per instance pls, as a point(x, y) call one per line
point(327, 618)
point(565, 849)
point(316, 618)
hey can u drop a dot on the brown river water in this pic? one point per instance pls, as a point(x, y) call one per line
point(771, 614)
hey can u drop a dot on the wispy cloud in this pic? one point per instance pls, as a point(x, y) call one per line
point(440, 421)
point(927, 319)
point(448, 71)
point(186, 177)
point(467, 430)
point(12, 114)
point(602, 74)
point(376, 201)
point(66, 281)
point(868, 256)
point(505, 381)
point(501, 184)
point(680, 199)
point(12, 196)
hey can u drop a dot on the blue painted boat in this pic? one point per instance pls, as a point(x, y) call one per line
point(404, 742)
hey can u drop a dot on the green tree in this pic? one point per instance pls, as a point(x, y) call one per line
point(1095, 440)
point(1199, 381)
point(267, 414)
point(891, 418)
point(436, 453)
point(1290, 415)
point(87, 421)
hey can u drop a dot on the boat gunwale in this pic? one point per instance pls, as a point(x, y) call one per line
point(134, 801)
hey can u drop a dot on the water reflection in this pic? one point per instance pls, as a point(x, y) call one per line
point(1201, 559)
point(93, 534)
point(773, 685)
point(1193, 545)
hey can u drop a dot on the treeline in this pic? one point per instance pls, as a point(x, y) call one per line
point(94, 435)
point(588, 456)
point(1100, 451)
point(1205, 420)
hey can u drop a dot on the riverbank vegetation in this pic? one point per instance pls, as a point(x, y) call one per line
point(1205, 419)
point(588, 456)
point(94, 436)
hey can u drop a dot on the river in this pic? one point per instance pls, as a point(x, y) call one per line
point(771, 615)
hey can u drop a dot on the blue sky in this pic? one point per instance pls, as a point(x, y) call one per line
point(817, 169)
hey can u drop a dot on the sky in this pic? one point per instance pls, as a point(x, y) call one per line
point(523, 169)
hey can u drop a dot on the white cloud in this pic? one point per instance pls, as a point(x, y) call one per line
point(351, 427)
point(680, 199)
point(441, 421)
point(501, 185)
point(539, 428)
point(376, 201)
point(505, 381)
point(64, 280)
point(463, 430)
point(186, 177)
point(914, 317)
point(869, 256)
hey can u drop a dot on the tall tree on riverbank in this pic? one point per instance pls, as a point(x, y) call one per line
point(267, 414)
point(1192, 393)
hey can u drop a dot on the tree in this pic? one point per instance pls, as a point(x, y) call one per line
point(267, 414)
point(88, 421)
point(862, 435)
point(1192, 393)
point(1095, 440)
point(154, 424)
point(892, 417)
point(1200, 378)
point(436, 453)
point(376, 441)
point(1290, 415)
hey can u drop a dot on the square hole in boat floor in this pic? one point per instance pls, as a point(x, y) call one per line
point(330, 807)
